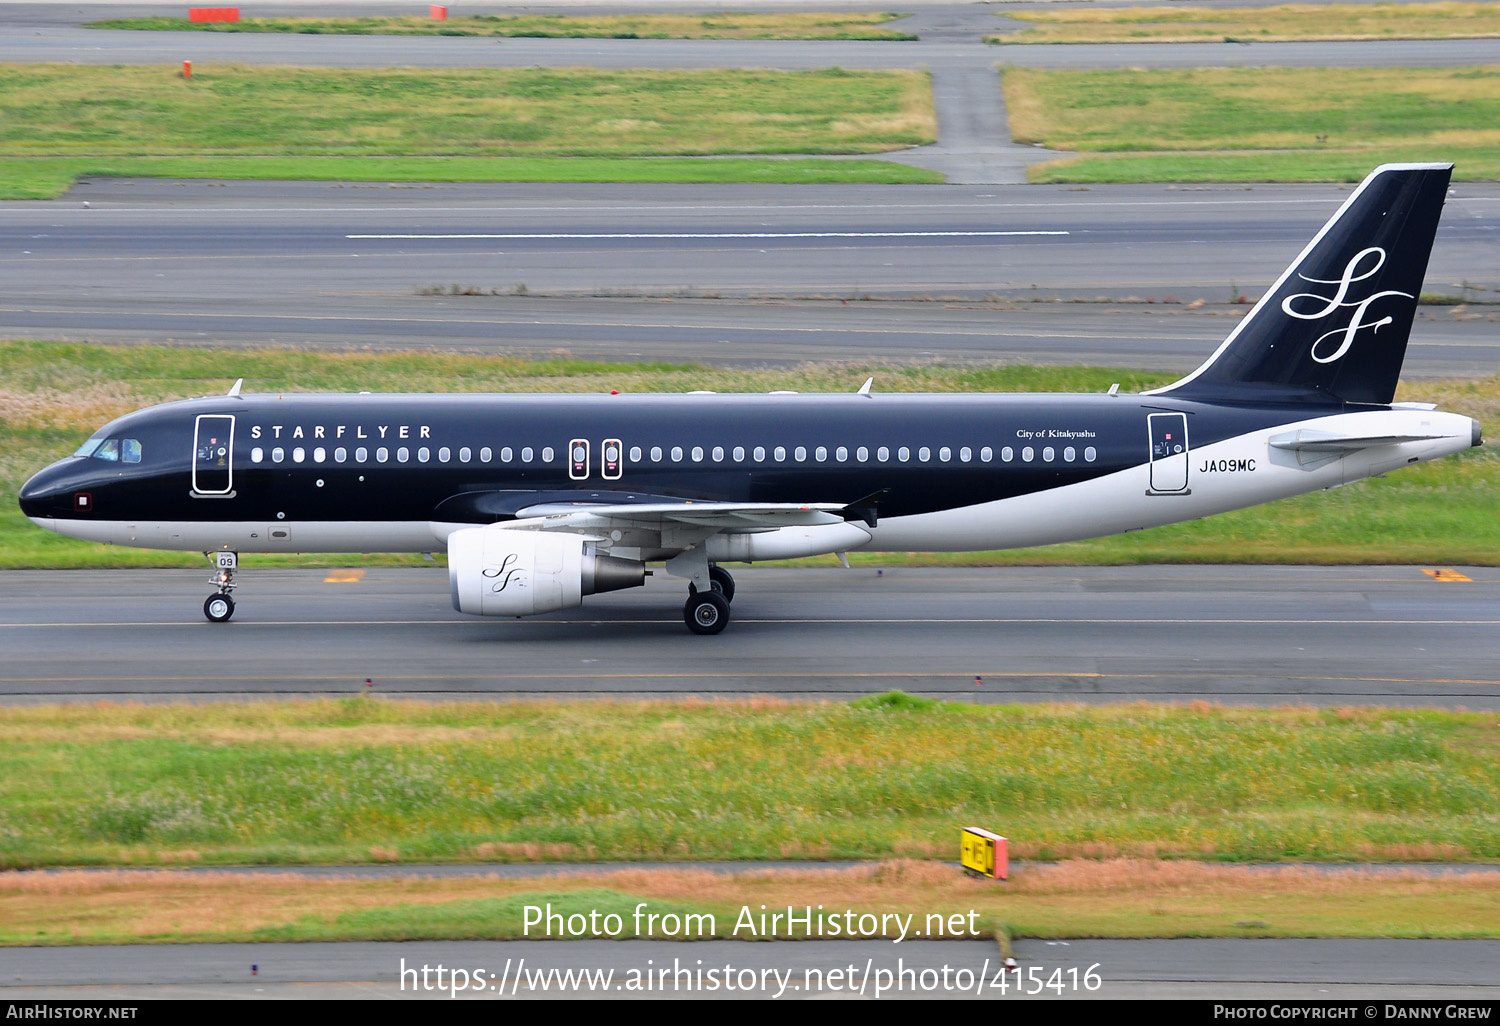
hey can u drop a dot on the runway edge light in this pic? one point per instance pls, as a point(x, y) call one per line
point(984, 853)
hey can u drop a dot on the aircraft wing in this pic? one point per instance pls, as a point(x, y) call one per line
point(721, 516)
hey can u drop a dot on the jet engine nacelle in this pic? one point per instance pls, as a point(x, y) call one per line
point(497, 572)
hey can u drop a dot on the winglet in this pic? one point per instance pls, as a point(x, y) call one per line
point(865, 388)
point(234, 389)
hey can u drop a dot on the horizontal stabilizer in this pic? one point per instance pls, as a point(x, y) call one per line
point(1311, 440)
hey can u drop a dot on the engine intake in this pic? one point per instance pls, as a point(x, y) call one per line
point(499, 572)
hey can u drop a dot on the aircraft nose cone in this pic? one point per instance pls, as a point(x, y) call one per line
point(39, 495)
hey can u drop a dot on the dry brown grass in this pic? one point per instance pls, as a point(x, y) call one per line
point(1121, 897)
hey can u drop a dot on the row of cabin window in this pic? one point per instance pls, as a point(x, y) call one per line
point(862, 454)
point(403, 455)
point(637, 454)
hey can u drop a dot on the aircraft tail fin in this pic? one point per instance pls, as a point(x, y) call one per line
point(1334, 326)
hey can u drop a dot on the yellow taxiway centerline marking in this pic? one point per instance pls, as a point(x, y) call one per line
point(1444, 574)
point(344, 577)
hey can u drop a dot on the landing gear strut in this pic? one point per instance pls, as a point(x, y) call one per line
point(720, 580)
point(219, 606)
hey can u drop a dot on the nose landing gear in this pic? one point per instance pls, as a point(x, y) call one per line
point(219, 606)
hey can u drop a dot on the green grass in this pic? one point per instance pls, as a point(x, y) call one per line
point(360, 779)
point(61, 121)
point(53, 395)
point(725, 25)
point(1450, 20)
point(1256, 124)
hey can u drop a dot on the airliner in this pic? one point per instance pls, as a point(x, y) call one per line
point(540, 500)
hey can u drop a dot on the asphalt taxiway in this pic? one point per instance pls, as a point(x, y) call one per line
point(1357, 971)
point(1254, 635)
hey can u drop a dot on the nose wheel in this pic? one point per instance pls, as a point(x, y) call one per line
point(219, 606)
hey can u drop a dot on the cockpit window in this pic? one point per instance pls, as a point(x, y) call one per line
point(112, 450)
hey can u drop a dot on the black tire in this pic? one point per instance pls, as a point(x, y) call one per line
point(706, 612)
point(218, 608)
point(723, 580)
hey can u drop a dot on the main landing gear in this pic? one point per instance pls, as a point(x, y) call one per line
point(219, 606)
point(707, 612)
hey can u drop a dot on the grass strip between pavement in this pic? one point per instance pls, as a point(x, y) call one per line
point(1283, 23)
point(408, 124)
point(1255, 124)
point(361, 779)
point(1112, 898)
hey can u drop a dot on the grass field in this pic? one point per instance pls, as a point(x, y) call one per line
point(719, 25)
point(365, 780)
point(1256, 24)
point(53, 395)
point(1107, 898)
point(59, 121)
point(1255, 124)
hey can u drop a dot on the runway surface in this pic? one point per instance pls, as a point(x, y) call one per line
point(727, 274)
point(1318, 635)
point(1352, 970)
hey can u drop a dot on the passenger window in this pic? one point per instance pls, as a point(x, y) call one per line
point(382, 454)
point(883, 453)
point(403, 454)
point(130, 451)
point(986, 454)
point(676, 454)
point(1090, 454)
point(1028, 454)
point(361, 455)
point(718, 454)
point(1048, 453)
point(108, 451)
point(485, 454)
point(1007, 454)
point(903, 454)
point(1070, 453)
point(924, 454)
point(505, 455)
point(739, 454)
point(299, 454)
point(841, 454)
point(945, 454)
point(862, 453)
point(697, 454)
point(444, 454)
point(760, 454)
point(278, 454)
point(965, 454)
point(780, 453)
point(423, 455)
point(801, 453)
point(656, 454)
point(257, 454)
point(320, 454)
point(526, 454)
point(820, 453)
point(547, 454)
point(464, 454)
point(635, 454)
point(340, 454)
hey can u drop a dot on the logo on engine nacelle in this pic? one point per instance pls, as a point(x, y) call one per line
point(505, 573)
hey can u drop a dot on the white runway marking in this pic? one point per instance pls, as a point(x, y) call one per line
point(712, 235)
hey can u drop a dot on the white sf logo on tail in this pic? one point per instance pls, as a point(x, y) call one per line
point(1331, 303)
